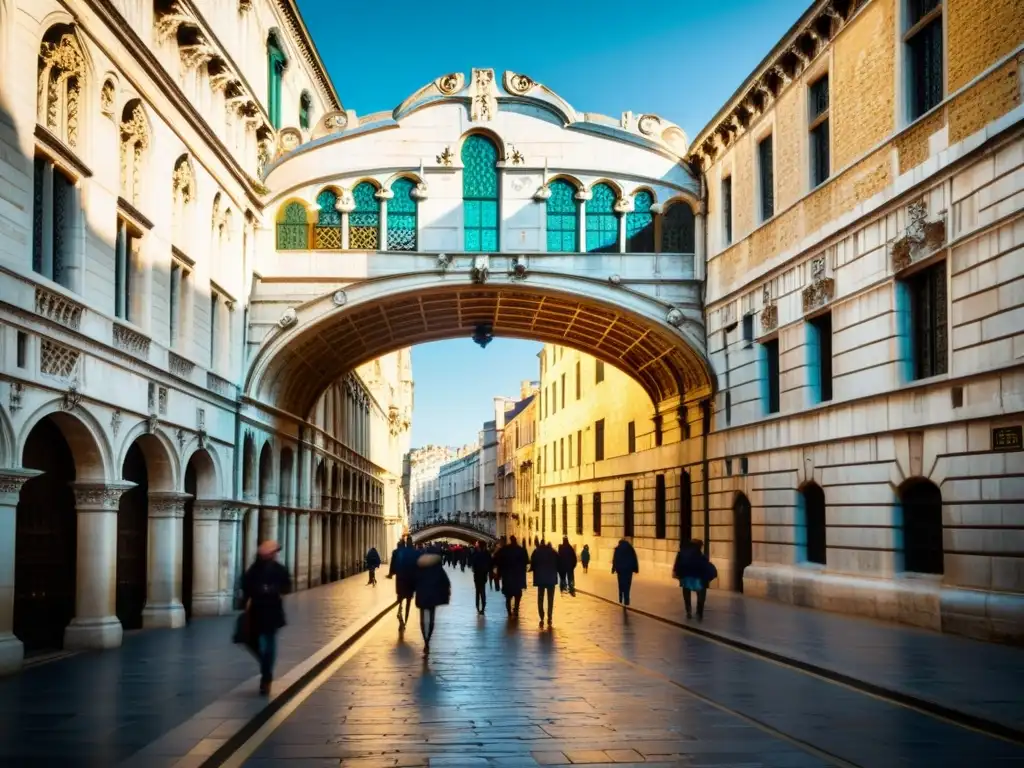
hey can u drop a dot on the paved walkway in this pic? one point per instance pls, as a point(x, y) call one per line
point(604, 688)
point(96, 709)
point(984, 680)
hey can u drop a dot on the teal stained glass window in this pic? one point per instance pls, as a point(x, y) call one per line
point(364, 221)
point(677, 230)
point(563, 217)
point(480, 194)
point(602, 223)
point(305, 107)
point(640, 224)
point(276, 63)
point(327, 232)
point(402, 217)
point(292, 229)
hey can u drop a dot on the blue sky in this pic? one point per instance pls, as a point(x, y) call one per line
point(680, 60)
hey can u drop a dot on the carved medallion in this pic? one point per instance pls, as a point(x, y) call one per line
point(451, 83)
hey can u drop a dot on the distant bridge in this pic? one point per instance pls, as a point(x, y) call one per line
point(452, 530)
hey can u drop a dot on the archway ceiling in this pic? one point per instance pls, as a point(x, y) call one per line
point(661, 361)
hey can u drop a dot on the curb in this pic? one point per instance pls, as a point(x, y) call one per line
point(324, 660)
point(959, 717)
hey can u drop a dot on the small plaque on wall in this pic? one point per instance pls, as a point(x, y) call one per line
point(1008, 438)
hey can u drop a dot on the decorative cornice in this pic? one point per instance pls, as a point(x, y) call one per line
point(300, 34)
point(99, 497)
point(60, 151)
point(134, 214)
point(167, 503)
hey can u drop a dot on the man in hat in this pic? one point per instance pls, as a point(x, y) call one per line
point(265, 582)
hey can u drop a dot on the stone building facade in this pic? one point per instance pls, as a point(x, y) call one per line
point(135, 480)
point(424, 490)
point(515, 495)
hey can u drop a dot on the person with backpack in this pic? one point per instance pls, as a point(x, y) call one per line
point(403, 570)
point(432, 589)
point(694, 571)
point(624, 565)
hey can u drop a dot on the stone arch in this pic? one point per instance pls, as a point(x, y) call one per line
point(567, 177)
point(249, 477)
point(615, 186)
point(921, 526)
point(496, 139)
point(84, 434)
point(161, 458)
point(63, 74)
point(678, 226)
point(207, 485)
point(742, 539)
point(810, 524)
point(286, 494)
point(643, 188)
point(266, 472)
point(292, 222)
point(412, 176)
point(135, 138)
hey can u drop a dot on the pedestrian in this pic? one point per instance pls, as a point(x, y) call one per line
point(624, 565)
point(495, 578)
point(567, 566)
point(372, 564)
point(544, 564)
point(512, 569)
point(403, 570)
point(585, 557)
point(432, 589)
point(264, 584)
point(480, 560)
point(694, 571)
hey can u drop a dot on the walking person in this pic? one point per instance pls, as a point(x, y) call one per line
point(544, 564)
point(403, 570)
point(694, 571)
point(263, 585)
point(432, 589)
point(512, 570)
point(480, 560)
point(372, 564)
point(585, 557)
point(567, 566)
point(624, 565)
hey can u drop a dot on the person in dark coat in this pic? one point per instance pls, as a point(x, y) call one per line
point(372, 564)
point(264, 584)
point(403, 570)
point(544, 564)
point(512, 568)
point(624, 565)
point(694, 572)
point(432, 589)
point(567, 566)
point(480, 561)
point(585, 557)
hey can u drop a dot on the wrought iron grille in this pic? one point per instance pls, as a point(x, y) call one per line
point(327, 232)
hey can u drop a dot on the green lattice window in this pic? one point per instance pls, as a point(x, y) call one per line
point(602, 223)
point(640, 224)
point(292, 228)
point(276, 62)
point(327, 232)
point(677, 230)
point(402, 217)
point(480, 194)
point(563, 217)
point(364, 221)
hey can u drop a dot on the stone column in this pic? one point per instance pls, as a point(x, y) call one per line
point(12, 652)
point(314, 549)
point(206, 589)
point(287, 560)
point(163, 582)
point(335, 571)
point(302, 559)
point(252, 532)
point(228, 559)
point(96, 624)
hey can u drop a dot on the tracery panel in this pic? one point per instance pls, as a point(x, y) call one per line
point(292, 228)
point(480, 194)
point(364, 221)
point(327, 232)
point(562, 217)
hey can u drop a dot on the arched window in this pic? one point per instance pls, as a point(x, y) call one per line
point(134, 142)
point(602, 223)
point(402, 216)
point(812, 509)
point(182, 194)
point(480, 194)
point(563, 217)
point(60, 77)
point(276, 62)
point(677, 230)
point(364, 221)
point(305, 110)
point(922, 527)
point(327, 232)
point(640, 224)
point(292, 228)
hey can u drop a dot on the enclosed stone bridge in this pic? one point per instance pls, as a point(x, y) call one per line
point(461, 531)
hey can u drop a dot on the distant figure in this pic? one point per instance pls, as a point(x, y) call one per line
point(585, 557)
point(512, 569)
point(567, 567)
point(480, 560)
point(403, 570)
point(625, 564)
point(432, 589)
point(264, 584)
point(544, 564)
point(495, 573)
point(372, 564)
point(694, 571)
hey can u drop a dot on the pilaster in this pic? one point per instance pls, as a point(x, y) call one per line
point(206, 592)
point(163, 592)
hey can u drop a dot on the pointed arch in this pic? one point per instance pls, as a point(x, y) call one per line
point(286, 495)
point(277, 62)
point(640, 223)
point(292, 226)
point(402, 216)
point(162, 465)
point(678, 228)
point(135, 140)
point(563, 215)
point(60, 83)
point(327, 230)
point(305, 110)
point(364, 221)
point(249, 467)
point(481, 196)
point(266, 474)
point(602, 221)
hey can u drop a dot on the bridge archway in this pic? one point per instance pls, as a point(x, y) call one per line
point(466, 533)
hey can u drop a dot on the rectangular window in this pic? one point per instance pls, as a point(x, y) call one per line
point(597, 514)
point(553, 397)
point(727, 210)
point(660, 502)
point(599, 372)
point(685, 507)
point(563, 390)
point(631, 437)
point(766, 174)
point(771, 374)
point(579, 515)
point(627, 510)
point(125, 259)
point(923, 51)
point(570, 451)
point(820, 357)
point(561, 453)
point(929, 318)
point(215, 320)
point(565, 515)
point(819, 138)
point(22, 349)
point(579, 447)
point(579, 381)
point(180, 280)
point(748, 328)
point(545, 458)
point(599, 440)
point(554, 518)
point(54, 217)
